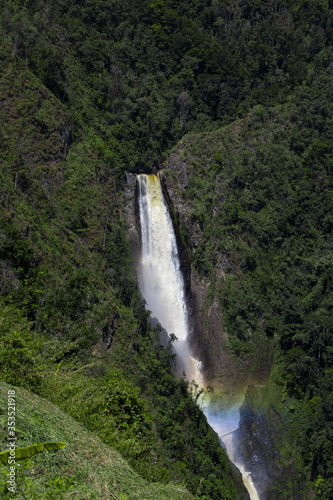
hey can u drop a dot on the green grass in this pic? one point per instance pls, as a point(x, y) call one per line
point(86, 468)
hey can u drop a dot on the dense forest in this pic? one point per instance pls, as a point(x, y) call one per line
point(93, 90)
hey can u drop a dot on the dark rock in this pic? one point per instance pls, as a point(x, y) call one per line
point(164, 336)
point(66, 138)
point(131, 214)
point(108, 331)
point(259, 443)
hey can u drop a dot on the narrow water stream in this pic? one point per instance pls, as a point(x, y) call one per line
point(162, 285)
point(225, 422)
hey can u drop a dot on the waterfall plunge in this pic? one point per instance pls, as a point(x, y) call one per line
point(161, 280)
point(162, 286)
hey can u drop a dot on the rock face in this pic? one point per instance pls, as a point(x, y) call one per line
point(109, 329)
point(131, 214)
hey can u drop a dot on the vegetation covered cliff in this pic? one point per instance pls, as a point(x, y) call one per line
point(92, 90)
point(258, 198)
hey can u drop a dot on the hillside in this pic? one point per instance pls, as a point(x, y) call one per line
point(86, 468)
point(73, 326)
point(256, 210)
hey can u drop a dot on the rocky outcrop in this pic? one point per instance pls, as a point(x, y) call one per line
point(109, 329)
point(130, 212)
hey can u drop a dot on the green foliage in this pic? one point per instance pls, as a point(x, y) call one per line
point(85, 468)
point(47, 346)
point(30, 451)
point(260, 189)
point(121, 70)
point(91, 90)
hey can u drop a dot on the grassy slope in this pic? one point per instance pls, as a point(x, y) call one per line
point(86, 468)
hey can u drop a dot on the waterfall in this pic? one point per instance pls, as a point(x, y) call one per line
point(161, 281)
point(162, 285)
point(160, 278)
point(225, 422)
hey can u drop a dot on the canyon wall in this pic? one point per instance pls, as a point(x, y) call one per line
point(208, 336)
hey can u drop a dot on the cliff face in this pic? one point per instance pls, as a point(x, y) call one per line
point(208, 336)
point(131, 215)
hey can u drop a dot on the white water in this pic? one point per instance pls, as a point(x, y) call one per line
point(225, 423)
point(160, 279)
point(162, 285)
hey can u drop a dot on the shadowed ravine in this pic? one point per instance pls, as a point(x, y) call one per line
point(162, 286)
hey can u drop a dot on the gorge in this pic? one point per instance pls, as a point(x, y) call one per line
point(162, 286)
point(232, 104)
